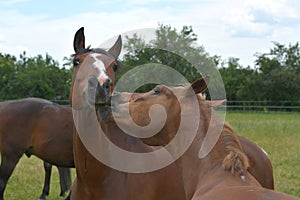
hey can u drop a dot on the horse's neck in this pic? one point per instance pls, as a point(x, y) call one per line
point(123, 140)
point(197, 172)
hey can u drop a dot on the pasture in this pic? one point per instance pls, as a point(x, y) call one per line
point(278, 134)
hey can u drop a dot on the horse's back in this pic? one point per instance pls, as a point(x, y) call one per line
point(27, 108)
point(37, 127)
point(54, 131)
point(17, 117)
point(260, 164)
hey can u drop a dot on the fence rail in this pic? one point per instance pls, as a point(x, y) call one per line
point(251, 106)
point(264, 106)
point(244, 106)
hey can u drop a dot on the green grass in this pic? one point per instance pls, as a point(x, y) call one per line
point(278, 134)
point(27, 181)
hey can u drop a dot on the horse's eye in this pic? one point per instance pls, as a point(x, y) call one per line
point(156, 91)
point(115, 67)
point(76, 62)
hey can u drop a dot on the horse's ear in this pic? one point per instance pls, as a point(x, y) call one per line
point(115, 50)
point(79, 40)
point(201, 84)
point(215, 103)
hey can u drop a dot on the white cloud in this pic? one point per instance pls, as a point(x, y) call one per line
point(11, 2)
point(227, 28)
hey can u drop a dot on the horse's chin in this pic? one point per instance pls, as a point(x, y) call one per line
point(104, 112)
point(97, 104)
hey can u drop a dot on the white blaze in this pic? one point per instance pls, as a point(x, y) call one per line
point(98, 64)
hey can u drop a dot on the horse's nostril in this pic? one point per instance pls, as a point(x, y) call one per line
point(108, 81)
point(106, 84)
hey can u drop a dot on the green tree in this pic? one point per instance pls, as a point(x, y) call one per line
point(34, 77)
point(7, 74)
point(240, 83)
point(280, 69)
point(171, 48)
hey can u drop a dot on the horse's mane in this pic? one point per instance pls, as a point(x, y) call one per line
point(81, 51)
point(235, 160)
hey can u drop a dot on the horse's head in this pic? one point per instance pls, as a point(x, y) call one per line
point(93, 73)
point(173, 99)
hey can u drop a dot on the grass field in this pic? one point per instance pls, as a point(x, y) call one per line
point(278, 134)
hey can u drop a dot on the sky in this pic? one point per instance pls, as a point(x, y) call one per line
point(228, 28)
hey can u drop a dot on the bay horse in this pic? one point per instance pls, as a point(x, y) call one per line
point(222, 174)
point(94, 179)
point(65, 180)
point(34, 126)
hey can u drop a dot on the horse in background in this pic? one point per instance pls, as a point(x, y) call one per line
point(222, 174)
point(34, 126)
point(65, 180)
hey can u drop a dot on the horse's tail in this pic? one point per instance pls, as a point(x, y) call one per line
point(64, 179)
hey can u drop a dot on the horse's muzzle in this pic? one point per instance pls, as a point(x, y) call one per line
point(96, 94)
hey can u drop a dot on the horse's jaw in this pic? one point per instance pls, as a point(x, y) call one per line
point(104, 113)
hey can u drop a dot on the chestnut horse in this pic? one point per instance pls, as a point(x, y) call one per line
point(260, 163)
point(222, 173)
point(101, 97)
point(260, 168)
point(35, 127)
point(94, 71)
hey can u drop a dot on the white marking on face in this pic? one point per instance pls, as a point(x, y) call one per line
point(98, 64)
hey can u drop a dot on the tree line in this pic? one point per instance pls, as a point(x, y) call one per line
point(275, 75)
point(38, 76)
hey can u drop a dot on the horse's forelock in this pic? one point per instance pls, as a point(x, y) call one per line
point(81, 51)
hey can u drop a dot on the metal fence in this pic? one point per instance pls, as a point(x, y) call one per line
point(250, 106)
point(263, 106)
point(245, 106)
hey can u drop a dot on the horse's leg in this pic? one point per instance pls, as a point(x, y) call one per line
point(8, 164)
point(64, 179)
point(46, 188)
